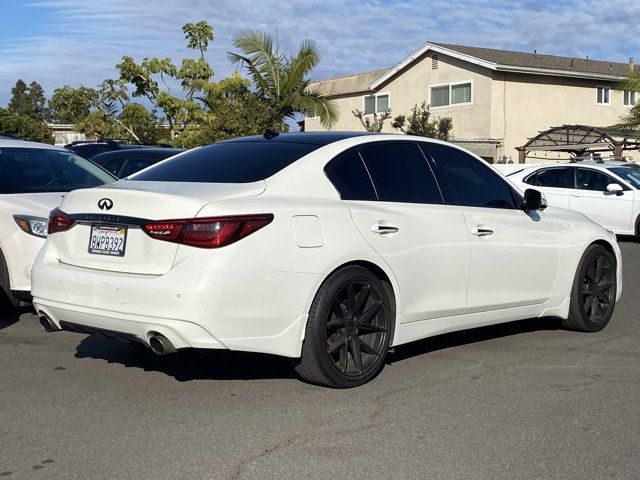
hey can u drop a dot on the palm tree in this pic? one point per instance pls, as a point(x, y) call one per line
point(281, 79)
point(632, 82)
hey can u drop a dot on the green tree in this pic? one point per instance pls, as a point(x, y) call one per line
point(71, 105)
point(420, 123)
point(29, 101)
point(631, 121)
point(113, 115)
point(152, 79)
point(282, 79)
point(232, 110)
point(24, 127)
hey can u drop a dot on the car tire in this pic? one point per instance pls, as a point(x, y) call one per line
point(593, 296)
point(348, 331)
point(9, 303)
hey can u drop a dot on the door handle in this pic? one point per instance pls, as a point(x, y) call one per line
point(481, 231)
point(576, 194)
point(382, 227)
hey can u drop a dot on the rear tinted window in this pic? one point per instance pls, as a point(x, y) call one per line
point(400, 173)
point(469, 181)
point(557, 177)
point(349, 175)
point(30, 170)
point(227, 162)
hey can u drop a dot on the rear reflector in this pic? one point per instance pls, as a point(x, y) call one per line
point(59, 221)
point(211, 232)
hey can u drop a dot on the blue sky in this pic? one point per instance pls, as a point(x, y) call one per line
point(74, 42)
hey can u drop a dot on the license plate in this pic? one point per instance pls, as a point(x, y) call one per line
point(108, 240)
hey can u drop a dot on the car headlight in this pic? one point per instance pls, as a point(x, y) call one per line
point(36, 226)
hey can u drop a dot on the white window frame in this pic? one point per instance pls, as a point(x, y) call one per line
point(452, 84)
point(375, 103)
point(607, 87)
point(624, 98)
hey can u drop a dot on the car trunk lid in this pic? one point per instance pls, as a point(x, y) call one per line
point(128, 205)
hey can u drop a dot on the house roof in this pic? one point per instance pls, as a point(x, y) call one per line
point(346, 84)
point(537, 60)
point(512, 61)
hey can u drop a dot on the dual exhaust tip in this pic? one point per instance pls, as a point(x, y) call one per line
point(48, 325)
point(159, 344)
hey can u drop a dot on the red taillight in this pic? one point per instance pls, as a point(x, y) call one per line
point(207, 232)
point(59, 221)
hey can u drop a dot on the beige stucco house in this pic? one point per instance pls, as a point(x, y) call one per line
point(497, 99)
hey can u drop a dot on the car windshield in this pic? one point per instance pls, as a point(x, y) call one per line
point(630, 173)
point(35, 170)
point(227, 162)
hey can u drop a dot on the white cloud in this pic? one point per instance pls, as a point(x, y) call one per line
point(82, 40)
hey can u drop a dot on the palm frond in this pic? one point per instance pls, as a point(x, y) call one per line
point(632, 82)
point(299, 66)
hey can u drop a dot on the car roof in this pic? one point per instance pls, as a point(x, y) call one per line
point(153, 152)
point(15, 143)
point(310, 138)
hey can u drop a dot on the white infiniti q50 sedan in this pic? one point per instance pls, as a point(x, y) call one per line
point(329, 248)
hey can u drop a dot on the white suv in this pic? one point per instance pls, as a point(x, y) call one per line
point(606, 192)
point(33, 180)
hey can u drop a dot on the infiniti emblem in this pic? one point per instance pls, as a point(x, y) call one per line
point(105, 204)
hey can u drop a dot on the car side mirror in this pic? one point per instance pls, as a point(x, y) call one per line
point(534, 200)
point(615, 188)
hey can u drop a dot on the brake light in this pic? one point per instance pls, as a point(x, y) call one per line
point(59, 221)
point(212, 232)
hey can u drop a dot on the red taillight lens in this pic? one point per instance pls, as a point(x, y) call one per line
point(207, 232)
point(59, 221)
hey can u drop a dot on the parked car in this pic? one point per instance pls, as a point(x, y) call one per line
point(88, 148)
point(123, 163)
point(325, 247)
point(33, 179)
point(607, 192)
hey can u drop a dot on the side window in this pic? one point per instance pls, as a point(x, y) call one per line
point(113, 166)
point(349, 175)
point(557, 177)
point(134, 165)
point(588, 179)
point(401, 173)
point(469, 182)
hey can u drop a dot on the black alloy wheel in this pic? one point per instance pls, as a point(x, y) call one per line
point(593, 297)
point(356, 329)
point(598, 289)
point(349, 330)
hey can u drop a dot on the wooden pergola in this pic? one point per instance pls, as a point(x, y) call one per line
point(581, 140)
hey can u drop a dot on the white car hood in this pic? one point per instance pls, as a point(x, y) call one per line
point(36, 204)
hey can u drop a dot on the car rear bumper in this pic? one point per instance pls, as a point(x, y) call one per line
point(182, 334)
point(228, 298)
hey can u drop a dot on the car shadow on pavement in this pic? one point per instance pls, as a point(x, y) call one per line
point(190, 364)
point(186, 365)
point(475, 335)
point(9, 318)
point(628, 238)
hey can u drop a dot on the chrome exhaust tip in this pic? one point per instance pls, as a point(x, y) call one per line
point(48, 325)
point(160, 345)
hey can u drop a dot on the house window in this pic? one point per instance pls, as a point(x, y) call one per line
point(451, 95)
point(629, 97)
point(603, 95)
point(378, 103)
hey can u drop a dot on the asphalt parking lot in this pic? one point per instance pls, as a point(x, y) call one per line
point(523, 400)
